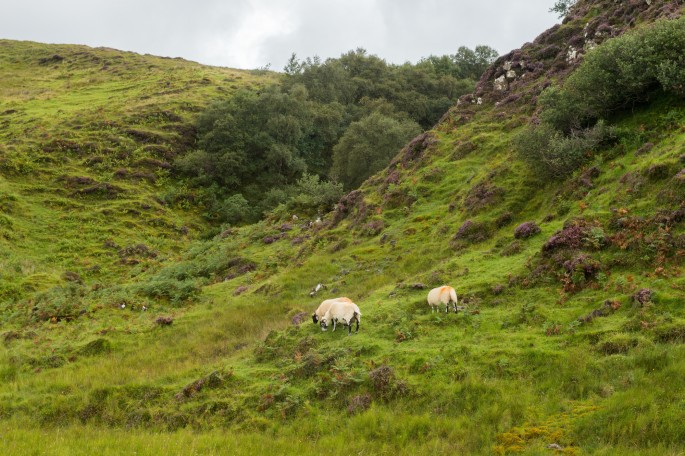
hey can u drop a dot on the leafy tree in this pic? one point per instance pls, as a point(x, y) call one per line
point(470, 64)
point(368, 145)
point(425, 90)
point(252, 139)
point(345, 117)
point(312, 194)
point(294, 66)
point(562, 7)
point(235, 209)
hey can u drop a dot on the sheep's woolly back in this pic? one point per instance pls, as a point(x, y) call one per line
point(443, 294)
point(325, 305)
point(342, 311)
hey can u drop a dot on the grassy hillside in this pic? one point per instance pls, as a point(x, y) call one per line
point(572, 336)
point(86, 143)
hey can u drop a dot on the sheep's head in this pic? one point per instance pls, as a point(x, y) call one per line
point(324, 324)
point(315, 318)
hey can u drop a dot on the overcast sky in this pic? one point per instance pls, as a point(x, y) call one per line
point(254, 33)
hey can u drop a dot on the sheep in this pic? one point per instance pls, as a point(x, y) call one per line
point(342, 311)
point(444, 295)
point(324, 306)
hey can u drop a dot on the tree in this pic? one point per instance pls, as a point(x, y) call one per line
point(368, 145)
point(470, 64)
point(252, 139)
point(562, 7)
point(312, 194)
point(294, 66)
point(344, 117)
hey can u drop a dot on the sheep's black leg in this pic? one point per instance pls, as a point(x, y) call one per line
point(357, 329)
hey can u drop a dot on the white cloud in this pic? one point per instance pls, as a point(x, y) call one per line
point(243, 44)
point(252, 33)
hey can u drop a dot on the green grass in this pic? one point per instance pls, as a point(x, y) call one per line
point(89, 118)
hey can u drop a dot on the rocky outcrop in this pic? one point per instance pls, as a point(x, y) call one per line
point(557, 51)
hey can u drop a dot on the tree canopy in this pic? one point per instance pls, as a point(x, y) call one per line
point(341, 119)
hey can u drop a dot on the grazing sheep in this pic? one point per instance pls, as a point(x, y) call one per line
point(344, 312)
point(444, 295)
point(324, 306)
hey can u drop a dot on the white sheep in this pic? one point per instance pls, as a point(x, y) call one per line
point(344, 312)
point(324, 306)
point(444, 295)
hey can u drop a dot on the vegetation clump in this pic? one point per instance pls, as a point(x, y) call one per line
point(526, 230)
point(96, 347)
point(643, 297)
point(621, 72)
point(359, 404)
point(164, 320)
point(384, 383)
point(482, 195)
point(575, 234)
point(214, 380)
point(324, 127)
point(473, 232)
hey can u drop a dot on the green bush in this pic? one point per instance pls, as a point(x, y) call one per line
point(59, 303)
point(368, 145)
point(176, 292)
point(554, 154)
point(614, 76)
point(617, 74)
point(235, 209)
point(312, 194)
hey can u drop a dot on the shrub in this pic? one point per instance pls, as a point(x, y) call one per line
point(482, 195)
point(643, 296)
point(526, 230)
point(59, 303)
point(164, 320)
point(576, 234)
point(512, 249)
point(359, 403)
point(613, 76)
point(314, 194)
point(385, 384)
point(235, 209)
point(174, 291)
point(372, 228)
point(473, 232)
point(214, 380)
point(617, 74)
point(504, 219)
point(554, 154)
point(579, 270)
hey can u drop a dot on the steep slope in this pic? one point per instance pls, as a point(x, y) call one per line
point(86, 143)
point(571, 340)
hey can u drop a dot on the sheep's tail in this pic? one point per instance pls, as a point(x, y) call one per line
point(453, 296)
